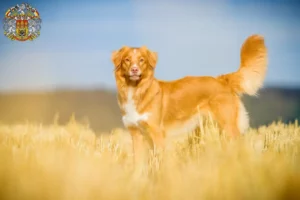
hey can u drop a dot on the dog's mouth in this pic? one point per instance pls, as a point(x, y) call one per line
point(134, 77)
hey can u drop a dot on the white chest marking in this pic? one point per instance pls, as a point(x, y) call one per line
point(132, 117)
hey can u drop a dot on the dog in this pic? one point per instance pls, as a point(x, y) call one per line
point(157, 109)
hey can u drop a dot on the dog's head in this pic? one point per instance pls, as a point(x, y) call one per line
point(134, 64)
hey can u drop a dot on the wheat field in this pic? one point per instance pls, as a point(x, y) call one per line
point(71, 162)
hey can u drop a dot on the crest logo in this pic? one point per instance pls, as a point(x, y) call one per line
point(22, 22)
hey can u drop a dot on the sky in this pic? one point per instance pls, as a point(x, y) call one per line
point(191, 38)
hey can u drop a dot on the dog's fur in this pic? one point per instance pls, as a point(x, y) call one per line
point(157, 109)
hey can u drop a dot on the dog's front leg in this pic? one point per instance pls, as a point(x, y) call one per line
point(138, 146)
point(155, 133)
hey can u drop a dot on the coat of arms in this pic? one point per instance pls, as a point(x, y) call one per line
point(22, 22)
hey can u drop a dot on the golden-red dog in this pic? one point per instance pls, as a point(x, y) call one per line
point(157, 109)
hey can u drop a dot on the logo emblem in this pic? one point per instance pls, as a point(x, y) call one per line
point(22, 22)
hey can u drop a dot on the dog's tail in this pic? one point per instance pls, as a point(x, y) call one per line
point(250, 76)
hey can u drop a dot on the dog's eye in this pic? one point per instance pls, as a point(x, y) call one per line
point(142, 60)
point(127, 59)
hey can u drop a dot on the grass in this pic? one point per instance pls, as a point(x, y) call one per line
point(71, 162)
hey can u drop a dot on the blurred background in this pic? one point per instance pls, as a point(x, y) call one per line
point(67, 69)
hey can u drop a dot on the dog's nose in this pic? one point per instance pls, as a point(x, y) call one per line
point(134, 70)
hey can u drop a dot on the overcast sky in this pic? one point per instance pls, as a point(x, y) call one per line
point(191, 38)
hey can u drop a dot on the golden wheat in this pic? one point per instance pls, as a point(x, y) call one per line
point(70, 162)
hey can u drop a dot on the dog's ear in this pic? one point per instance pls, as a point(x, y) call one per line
point(152, 56)
point(117, 56)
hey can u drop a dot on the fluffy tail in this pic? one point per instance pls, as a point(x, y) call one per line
point(251, 74)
